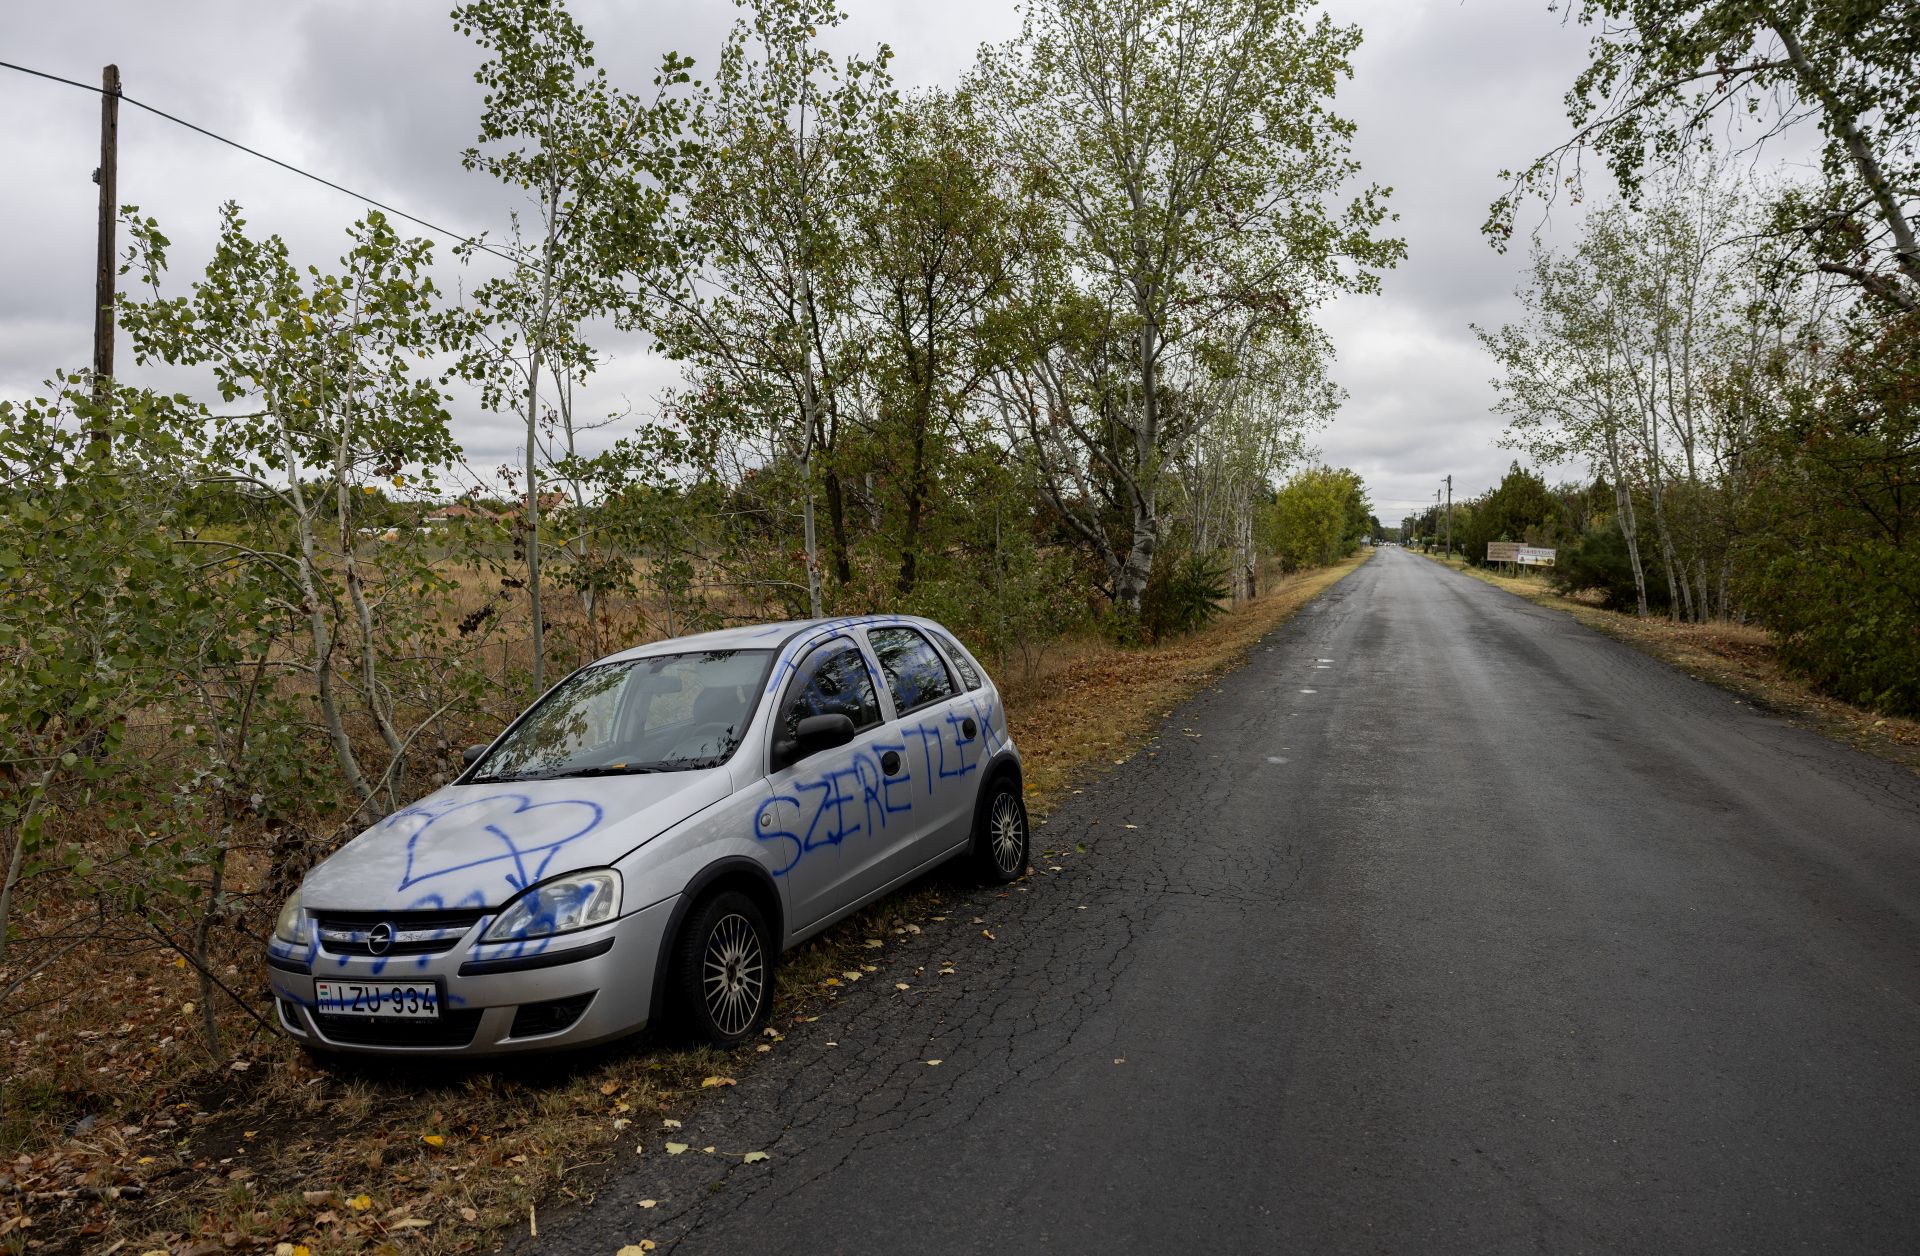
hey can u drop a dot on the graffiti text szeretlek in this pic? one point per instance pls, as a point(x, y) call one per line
point(839, 805)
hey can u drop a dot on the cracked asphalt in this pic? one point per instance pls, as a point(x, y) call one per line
point(1443, 925)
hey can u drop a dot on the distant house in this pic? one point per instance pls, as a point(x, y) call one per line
point(493, 512)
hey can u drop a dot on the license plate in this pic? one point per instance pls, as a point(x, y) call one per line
point(384, 1000)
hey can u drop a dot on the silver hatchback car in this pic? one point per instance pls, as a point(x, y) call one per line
point(648, 838)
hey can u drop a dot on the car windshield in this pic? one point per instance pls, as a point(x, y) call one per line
point(666, 713)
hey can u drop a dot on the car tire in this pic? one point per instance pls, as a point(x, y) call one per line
point(1001, 835)
point(723, 970)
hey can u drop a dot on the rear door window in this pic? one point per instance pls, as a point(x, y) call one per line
point(969, 674)
point(915, 672)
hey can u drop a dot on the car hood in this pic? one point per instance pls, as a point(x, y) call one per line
point(479, 845)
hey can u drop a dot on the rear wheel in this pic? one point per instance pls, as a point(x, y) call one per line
point(1000, 832)
point(723, 969)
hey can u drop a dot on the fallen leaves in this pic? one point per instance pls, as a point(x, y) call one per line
point(711, 1083)
point(674, 1149)
point(636, 1249)
point(360, 1203)
point(934, 1063)
point(434, 1140)
point(755, 1157)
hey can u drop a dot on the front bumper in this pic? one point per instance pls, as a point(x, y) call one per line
point(568, 991)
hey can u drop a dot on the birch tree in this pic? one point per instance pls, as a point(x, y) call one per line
point(318, 372)
point(1191, 151)
point(764, 314)
point(598, 164)
point(1669, 78)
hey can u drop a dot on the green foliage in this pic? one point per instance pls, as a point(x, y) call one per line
point(1665, 77)
point(1191, 159)
point(1521, 508)
point(1834, 567)
point(1318, 517)
point(1596, 561)
point(1184, 595)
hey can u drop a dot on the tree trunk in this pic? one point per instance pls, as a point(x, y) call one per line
point(837, 528)
point(916, 501)
point(538, 619)
point(1629, 525)
point(1131, 581)
point(816, 608)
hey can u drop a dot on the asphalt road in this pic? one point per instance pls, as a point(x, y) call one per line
point(1444, 925)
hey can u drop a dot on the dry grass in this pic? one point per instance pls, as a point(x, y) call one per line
point(127, 1137)
point(1737, 657)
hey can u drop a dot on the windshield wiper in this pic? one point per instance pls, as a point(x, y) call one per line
point(609, 769)
point(628, 769)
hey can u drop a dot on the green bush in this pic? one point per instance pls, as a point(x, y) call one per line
point(1183, 595)
point(1834, 567)
point(1845, 616)
point(1598, 561)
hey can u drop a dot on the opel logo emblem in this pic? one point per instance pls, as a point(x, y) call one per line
point(379, 938)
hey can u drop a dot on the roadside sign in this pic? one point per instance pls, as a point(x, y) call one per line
point(1534, 556)
point(1503, 551)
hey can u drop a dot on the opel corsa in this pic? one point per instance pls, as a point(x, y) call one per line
point(649, 836)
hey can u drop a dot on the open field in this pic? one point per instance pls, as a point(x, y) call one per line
point(122, 1136)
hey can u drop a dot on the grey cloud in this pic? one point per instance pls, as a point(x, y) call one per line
point(380, 97)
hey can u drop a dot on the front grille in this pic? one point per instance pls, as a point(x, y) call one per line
point(550, 1017)
point(414, 932)
point(449, 1029)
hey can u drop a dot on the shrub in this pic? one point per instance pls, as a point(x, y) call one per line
point(1184, 595)
point(1598, 561)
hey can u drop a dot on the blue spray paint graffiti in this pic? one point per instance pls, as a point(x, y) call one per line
point(859, 797)
point(530, 834)
point(516, 838)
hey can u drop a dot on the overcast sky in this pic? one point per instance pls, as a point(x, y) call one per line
point(379, 95)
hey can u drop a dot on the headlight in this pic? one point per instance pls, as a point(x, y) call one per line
point(292, 926)
point(571, 902)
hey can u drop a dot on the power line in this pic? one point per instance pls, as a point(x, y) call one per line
point(254, 152)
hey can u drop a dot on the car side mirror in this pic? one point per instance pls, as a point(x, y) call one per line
point(471, 755)
point(814, 734)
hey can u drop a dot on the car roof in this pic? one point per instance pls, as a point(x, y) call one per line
point(763, 636)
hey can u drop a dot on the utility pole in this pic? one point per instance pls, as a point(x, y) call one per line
point(106, 177)
point(1449, 516)
point(1436, 518)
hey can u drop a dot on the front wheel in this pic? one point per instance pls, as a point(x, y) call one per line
point(1000, 840)
point(723, 970)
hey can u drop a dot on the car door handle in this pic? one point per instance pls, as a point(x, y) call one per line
point(890, 762)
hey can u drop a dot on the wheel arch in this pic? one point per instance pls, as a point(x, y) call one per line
point(736, 872)
point(1002, 766)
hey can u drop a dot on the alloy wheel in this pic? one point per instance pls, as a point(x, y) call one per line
point(734, 974)
point(1007, 835)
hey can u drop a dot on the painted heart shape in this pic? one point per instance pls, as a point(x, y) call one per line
point(508, 835)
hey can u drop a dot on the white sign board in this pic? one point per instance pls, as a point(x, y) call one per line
point(1534, 556)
